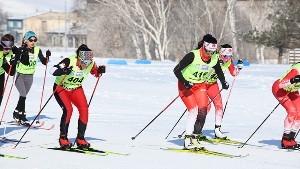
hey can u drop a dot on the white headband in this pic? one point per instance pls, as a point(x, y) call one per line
point(210, 46)
point(226, 51)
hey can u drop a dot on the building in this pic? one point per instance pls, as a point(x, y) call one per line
point(15, 28)
point(55, 29)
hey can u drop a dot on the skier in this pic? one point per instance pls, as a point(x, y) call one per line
point(225, 57)
point(286, 92)
point(71, 72)
point(192, 72)
point(25, 70)
point(9, 55)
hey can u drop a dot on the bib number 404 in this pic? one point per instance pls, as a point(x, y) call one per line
point(75, 79)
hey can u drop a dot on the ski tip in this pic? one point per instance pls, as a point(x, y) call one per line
point(132, 138)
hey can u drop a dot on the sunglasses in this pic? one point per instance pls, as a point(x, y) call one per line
point(6, 48)
point(86, 62)
point(32, 40)
point(209, 52)
point(227, 56)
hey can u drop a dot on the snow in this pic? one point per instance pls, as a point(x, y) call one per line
point(127, 98)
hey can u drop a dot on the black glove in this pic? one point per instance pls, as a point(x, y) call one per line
point(240, 64)
point(24, 56)
point(295, 79)
point(67, 70)
point(48, 53)
point(13, 61)
point(188, 85)
point(101, 69)
point(17, 52)
point(225, 85)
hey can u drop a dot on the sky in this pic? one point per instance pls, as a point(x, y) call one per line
point(126, 99)
point(23, 8)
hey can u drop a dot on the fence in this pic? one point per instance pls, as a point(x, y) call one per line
point(294, 55)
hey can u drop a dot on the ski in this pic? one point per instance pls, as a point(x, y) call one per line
point(204, 151)
point(39, 126)
point(75, 150)
point(227, 142)
point(11, 156)
point(15, 123)
point(7, 140)
point(101, 151)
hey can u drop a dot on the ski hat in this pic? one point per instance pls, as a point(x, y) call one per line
point(85, 54)
point(7, 40)
point(208, 45)
point(29, 34)
point(225, 52)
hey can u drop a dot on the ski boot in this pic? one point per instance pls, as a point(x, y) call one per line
point(64, 142)
point(191, 142)
point(219, 134)
point(22, 119)
point(82, 143)
point(288, 141)
point(16, 116)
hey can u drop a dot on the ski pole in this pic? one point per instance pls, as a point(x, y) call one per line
point(40, 111)
point(8, 74)
point(94, 91)
point(7, 98)
point(38, 121)
point(176, 123)
point(132, 138)
point(228, 96)
point(261, 124)
point(206, 106)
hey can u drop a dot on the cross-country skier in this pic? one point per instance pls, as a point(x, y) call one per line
point(71, 72)
point(25, 70)
point(225, 57)
point(286, 92)
point(9, 55)
point(192, 72)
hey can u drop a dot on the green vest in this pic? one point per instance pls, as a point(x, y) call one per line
point(29, 69)
point(213, 78)
point(292, 87)
point(199, 71)
point(7, 57)
point(76, 77)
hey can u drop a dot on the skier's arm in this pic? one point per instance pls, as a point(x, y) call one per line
point(61, 68)
point(233, 71)
point(286, 81)
point(221, 77)
point(42, 57)
point(186, 60)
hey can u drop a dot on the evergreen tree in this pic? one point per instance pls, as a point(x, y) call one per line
point(284, 32)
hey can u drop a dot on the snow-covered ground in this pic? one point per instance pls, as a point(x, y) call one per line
point(127, 99)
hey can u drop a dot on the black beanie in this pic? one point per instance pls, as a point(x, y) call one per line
point(82, 47)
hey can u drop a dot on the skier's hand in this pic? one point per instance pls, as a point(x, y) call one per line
point(188, 85)
point(295, 79)
point(17, 52)
point(225, 85)
point(13, 61)
point(67, 70)
point(240, 64)
point(101, 69)
point(48, 54)
point(24, 56)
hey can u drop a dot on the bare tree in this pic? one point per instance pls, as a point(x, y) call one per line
point(150, 18)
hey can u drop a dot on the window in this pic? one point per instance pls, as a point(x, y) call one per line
point(10, 24)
